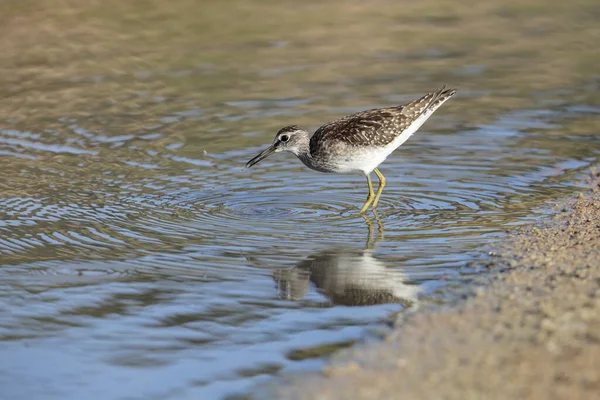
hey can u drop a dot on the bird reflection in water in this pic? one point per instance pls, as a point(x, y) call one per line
point(348, 276)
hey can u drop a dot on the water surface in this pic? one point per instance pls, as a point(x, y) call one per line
point(139, 259)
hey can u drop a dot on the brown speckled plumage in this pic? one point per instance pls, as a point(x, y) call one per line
point(377, 127)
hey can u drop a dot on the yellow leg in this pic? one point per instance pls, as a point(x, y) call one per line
point(370, 197)
point(381, 186)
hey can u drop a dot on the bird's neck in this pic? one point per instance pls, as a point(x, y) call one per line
point(305, 156)
point(307, 159)
point(303, 153)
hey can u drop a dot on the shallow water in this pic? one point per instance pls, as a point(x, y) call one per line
point(139, 259)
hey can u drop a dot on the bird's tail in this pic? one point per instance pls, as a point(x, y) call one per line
point(430, 102)
point(439, 97)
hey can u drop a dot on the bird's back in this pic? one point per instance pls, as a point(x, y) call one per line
point(377, 127)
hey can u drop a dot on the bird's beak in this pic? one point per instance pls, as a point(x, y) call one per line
point(263, 154)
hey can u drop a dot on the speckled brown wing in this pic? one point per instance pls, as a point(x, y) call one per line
point(377, 127)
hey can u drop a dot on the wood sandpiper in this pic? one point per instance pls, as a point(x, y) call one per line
point(357, 143)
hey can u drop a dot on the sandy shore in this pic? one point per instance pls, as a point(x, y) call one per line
point(533, 332)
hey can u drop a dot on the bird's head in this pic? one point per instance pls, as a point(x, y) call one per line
point(290, 138)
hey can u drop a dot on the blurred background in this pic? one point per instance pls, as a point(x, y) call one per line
point(139, 260)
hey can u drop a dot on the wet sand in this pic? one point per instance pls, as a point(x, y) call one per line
point(531, 332)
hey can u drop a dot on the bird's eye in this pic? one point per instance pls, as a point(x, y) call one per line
point(284, 138)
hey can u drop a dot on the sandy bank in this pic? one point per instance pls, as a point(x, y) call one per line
point(532, 333)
